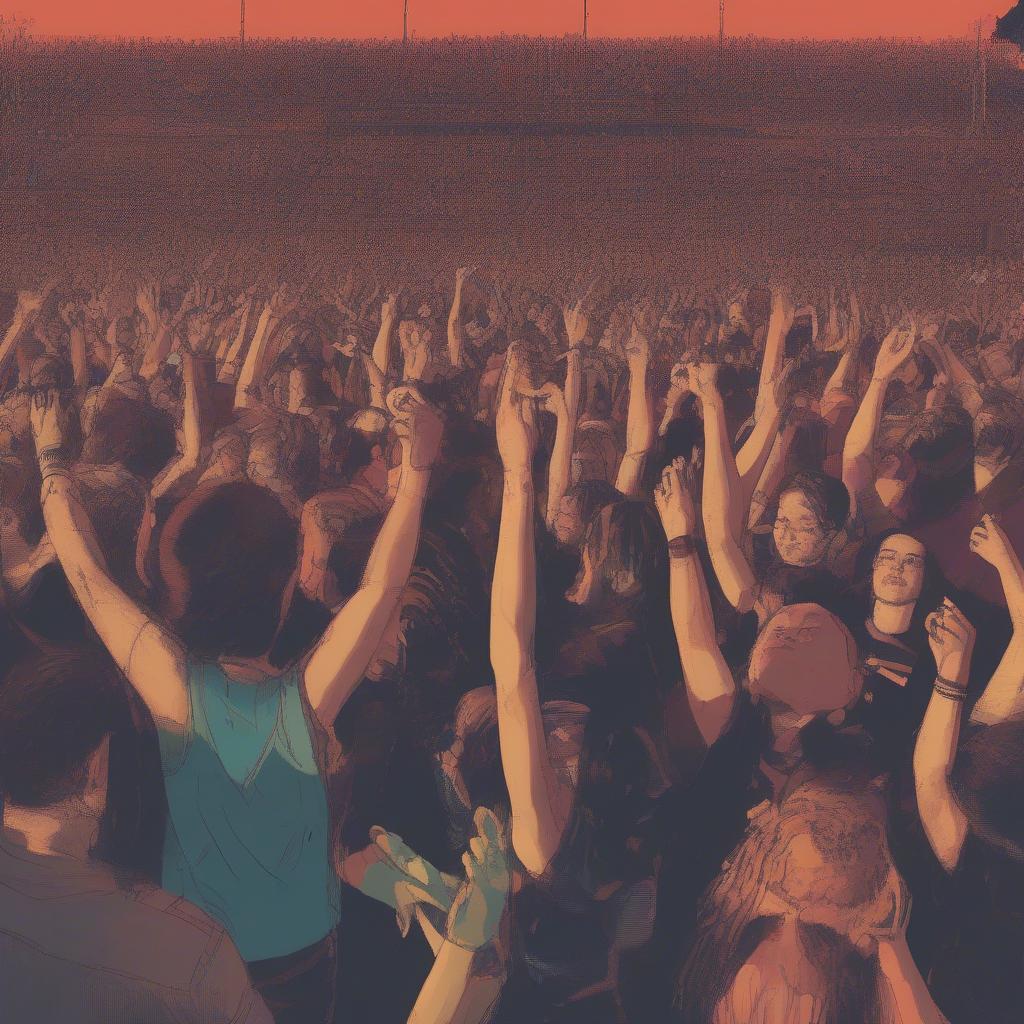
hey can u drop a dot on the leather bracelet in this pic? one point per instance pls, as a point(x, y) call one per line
point(952, 683)
point(681, 547)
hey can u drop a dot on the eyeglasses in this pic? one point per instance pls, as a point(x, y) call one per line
point(890, 559)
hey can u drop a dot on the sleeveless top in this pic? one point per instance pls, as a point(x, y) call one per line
point(248, 837)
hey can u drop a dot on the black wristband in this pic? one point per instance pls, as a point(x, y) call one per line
point(681, 547)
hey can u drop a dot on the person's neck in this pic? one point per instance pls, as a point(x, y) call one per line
point(69, 829)
point(892, 619)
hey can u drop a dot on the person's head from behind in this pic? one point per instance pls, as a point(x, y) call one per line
point(578, 507)
point(58, 713)
point(130, 433)
point(812, 509)
point(622, 556)
point(227, 556)
point(931, 469)
point(998, 429)
point(789, 972)
point(804, 666)
point(988, 779)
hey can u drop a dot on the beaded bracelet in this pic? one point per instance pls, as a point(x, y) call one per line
point(951, 691)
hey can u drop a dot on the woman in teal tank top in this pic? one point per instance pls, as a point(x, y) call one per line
point(246, 747)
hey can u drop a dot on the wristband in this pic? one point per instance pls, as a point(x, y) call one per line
point(951, 691)
point(681, 547)
point(52, 460)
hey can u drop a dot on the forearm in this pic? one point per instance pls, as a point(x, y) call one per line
point(859, 449)
point(908, 993)
point(229, 361)
point(252, 368)
point(10, 340)
point(710, 687)
point(452, 993)
point(753, 456)
point(934, 756)
point(79, 359)
point(339, 661)
point(640, 431)
point(455, 336)
point(157, 350)
point(560, 469)
point(722, 503)
point(382, 345)
point(536, 832)
point(964, 382)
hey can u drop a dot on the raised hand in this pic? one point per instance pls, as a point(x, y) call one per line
point(673, 498)
point(577, 323)
point(895, 350)
point(417, 424)
point(783, 312)
point(389, 307)
point(30, 301)
point(989, 541)
point(515, 423)
point(703, 380)
point(463, 274)
point(478, 907)
point(951, 638)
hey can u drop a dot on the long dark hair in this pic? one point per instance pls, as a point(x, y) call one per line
point(933, 588)
point(227, 557)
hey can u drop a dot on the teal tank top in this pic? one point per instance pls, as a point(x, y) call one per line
point(248, 836)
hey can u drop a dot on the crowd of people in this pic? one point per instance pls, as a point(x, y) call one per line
point(652, 655)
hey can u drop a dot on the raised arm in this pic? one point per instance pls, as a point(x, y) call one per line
point(193, 375)
point(566, 407)
point(382, 344)
point(859, 449)
point(456, 335)
point(257, 358)
point(228, 360)
point(152, 660)
point(337, 665)
point(951, 638)
point(1004, 695)
point(710, 687)
point(779, 323)
point(456, 991)
point(539, 805)
point(640, 425)
point(722, 495)
point(29, 304)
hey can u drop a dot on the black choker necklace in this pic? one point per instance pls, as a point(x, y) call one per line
point(895, 604)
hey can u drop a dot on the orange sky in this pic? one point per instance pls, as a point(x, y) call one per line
point(362, 18)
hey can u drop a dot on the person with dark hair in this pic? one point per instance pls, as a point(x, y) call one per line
point(102, 950)
point(905, 587)
point(244, 744)
point(969, 797)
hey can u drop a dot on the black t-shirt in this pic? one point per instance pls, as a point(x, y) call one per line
point(897, 688)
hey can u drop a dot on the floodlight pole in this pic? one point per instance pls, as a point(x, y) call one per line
point(405, 21)
point(241, 25)
point(585, 19)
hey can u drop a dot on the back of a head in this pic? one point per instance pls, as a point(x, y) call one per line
point(132, 433)
point(227, 556)
point(55, 711)
point(941, 444)
point(826, 495)
point(988, 780)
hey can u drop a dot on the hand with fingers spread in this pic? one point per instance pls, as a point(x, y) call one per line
point(478, 907)
point(463, 274)
point(951, 639)
point(989, 541)
point(389, 307)
point(417, 424)
point(673, 498)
